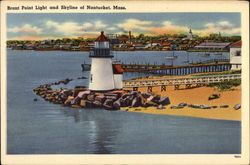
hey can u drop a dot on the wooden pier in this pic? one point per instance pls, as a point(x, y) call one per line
point(176, 82)
point(177, 70)
point(172, 70)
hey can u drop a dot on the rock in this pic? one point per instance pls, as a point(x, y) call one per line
point(205, 107)
point(124, 96)
point(214, 96)
point(143, 99)
point(126, 102)
point(117, 104)
point(183, 104)
point(82, 77)
point(88, 104)
point(224, 106)
point(97, 104)
point(156, 99)
point(91, 97)
point(66, 81)
point(194, 106)
point(150, 104)
point(83, 88)
point(68, 101)
point(82, 94)
point(100, 98)
point(122, 102)
point(75, 106)
point(237, 106)
point(67, 92)
point(83, 103)
point(164, 101)
point(136, 102)
point(160, 107)
point(76, 101)
point(107, 107)
point(63, 97)
point(108, 102)
point(214, 106)
point(134, 93)
point(111, 94)
point(146, 95)
point(111, 97)
point(176, 107)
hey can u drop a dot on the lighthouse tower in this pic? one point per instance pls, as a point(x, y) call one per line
point(101, 74)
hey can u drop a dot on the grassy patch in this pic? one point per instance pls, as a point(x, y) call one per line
point(226, 85)
point(220, 73)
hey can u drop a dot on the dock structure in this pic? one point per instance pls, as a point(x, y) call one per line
point(172, 70)
point(176, 82)
point(177, 70)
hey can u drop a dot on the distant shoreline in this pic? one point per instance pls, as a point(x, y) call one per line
point(123, 50)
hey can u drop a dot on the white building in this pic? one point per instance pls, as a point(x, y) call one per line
point(235, 55)
point(190, 35)
point(102, 77)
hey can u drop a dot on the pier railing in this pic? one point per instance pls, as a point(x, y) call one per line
point(181, 81)
point(173, 70)
point(212, 61)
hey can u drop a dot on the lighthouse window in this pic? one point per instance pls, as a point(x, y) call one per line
point(91, 78)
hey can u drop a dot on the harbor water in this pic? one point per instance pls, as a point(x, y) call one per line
point(40, 127)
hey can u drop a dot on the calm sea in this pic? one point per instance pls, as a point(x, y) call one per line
point(44, 128)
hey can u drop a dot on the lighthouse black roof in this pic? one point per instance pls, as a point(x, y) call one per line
point(102, 38)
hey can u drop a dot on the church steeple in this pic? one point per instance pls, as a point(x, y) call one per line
point(190, 31)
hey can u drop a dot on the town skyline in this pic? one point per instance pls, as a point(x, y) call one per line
point(88, 25)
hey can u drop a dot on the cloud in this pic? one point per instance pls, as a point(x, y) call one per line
point(72, 29)
point(167, 27)
point(56, 29)
point(27, 29)
point(223, 27)
point(133, 24)
point(66, 28)
point(98, 25)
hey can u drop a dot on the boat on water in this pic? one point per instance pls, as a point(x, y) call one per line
point(186, 61)
point(171, 57)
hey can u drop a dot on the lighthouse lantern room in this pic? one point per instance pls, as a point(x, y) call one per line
point(101, 74)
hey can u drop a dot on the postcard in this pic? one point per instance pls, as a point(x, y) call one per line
point(114, 82)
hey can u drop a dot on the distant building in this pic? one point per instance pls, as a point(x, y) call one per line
point(138, 45)
point(235, 55)
point(190, 35)
point(213, 46)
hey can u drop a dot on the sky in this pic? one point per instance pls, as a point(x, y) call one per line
point(39, 26)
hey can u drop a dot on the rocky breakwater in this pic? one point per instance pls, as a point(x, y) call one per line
point(81, 97)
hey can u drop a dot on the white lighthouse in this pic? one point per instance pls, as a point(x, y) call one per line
point(101, 74)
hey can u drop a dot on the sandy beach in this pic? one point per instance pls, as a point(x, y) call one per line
point(199, 96)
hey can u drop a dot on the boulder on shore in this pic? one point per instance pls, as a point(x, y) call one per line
point(136, 102)
point(237, 106)
point(164, 101)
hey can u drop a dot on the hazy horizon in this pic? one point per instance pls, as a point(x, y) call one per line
point(37, 26)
